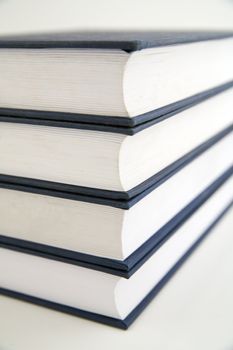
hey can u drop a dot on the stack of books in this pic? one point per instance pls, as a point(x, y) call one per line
point(115, 163)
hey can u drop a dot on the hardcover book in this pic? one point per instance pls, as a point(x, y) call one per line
point(114, 164)
point(122, 79)
point(109, 233)
point(106, 164)
point(101, 296)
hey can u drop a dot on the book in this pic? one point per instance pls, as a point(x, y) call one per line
point(114, 164)
point(107, 164)
point(120, 79)
point(101, 296)
point(87, 229)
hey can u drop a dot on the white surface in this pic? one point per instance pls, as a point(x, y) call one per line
point(33, 15)
point(194, 311)
point(102, 230)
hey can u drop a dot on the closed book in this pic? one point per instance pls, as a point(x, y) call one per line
point(104, 233)
point(100, 295)
point(121, 78)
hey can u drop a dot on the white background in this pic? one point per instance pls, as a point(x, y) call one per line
point(33, 15)
point(195, 310)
